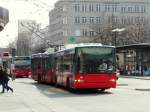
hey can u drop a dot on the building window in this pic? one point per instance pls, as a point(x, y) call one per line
point(91, 20)
point(143, 20)
point(77, 19)
point(143, 9)
point(64, 33)
point(124, 21)
point(114, 8)
point(107, 8)
point(98, 7)
point(129, 9)
point(83, 8)
point(65, 20)
point(136, 9)
point(84, 19)
point(98, 20)
point(84, 33)
point(77, 7)
point(123, 9)
point(64, 8)
point(91, 8)
point(137, 20)
point(91, 33)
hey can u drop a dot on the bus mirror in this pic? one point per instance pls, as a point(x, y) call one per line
point(81, 71)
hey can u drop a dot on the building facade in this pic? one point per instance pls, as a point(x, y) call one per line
point(82, 20)
point(4, 17)
point(25, 33)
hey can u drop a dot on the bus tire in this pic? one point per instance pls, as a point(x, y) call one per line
point(55, 81)
point(102, 90)
point(68, 84)
point(39, 79)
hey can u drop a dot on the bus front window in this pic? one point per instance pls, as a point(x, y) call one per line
point(96, 60)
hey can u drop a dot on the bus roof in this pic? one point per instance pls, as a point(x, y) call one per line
point(73, 46)
point(21, 56)
point(70, 49)
point(70, 46)
point(40, 55)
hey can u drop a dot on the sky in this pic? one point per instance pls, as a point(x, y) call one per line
point(24, 9)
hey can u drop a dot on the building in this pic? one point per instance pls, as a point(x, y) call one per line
point(134, 59)
point(4, 17)
point(25, 32)
point(74, 21)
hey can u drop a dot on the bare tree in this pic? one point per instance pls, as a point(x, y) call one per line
point(137, 32)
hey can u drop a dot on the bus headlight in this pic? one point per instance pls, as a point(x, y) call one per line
point(79, 80)
point(112, 80)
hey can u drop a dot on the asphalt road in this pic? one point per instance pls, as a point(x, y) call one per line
point(131, 95)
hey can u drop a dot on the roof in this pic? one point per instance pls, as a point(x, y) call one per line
point(134, 46)
point(40, 55)
point(70, 49)
point(73, 46)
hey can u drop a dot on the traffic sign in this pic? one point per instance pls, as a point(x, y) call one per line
point(72, 38)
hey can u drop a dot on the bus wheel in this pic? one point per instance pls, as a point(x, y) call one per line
point(68, 85)
point(102, 90)
point(39, 79)
point(55, 81)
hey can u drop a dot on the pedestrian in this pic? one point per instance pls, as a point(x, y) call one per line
point(1, 76)
point(5, 81)
point(2, 79)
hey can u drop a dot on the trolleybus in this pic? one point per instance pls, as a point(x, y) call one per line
point(86, 66)
point(42, 67)
point(82, 66)
point(21, 66)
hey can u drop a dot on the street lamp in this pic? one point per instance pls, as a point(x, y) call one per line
point(116, 31)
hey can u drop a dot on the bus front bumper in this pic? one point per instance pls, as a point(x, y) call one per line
point(102, 85)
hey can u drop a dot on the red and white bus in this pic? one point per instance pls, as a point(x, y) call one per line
point(21, 66)
point(42, 67)
point(86, 66)
point(82, 66)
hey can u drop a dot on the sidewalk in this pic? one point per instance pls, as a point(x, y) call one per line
point(136, 77)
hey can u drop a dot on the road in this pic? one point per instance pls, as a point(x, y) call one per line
point(131, 95)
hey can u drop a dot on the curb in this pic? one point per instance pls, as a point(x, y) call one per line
point(136, 77)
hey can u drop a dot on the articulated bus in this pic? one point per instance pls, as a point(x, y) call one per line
point(83, 66)
point(86, 66)
point(21, 66)
point(42, 67)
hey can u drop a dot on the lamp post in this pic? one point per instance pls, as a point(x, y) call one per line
point(116, 31)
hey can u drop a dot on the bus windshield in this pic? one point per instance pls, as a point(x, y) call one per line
point(96, 60)
point(23, 63)
point(22, 67)
point(21, 58)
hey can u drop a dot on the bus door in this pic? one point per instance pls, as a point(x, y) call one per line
point(58, 71)
point(62, 71)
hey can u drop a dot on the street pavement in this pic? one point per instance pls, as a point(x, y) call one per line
point(131, 95)
point(136, 77)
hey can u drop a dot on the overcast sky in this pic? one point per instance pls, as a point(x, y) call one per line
point(23, 9)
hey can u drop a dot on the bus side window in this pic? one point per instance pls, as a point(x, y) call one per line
point(66, 67)
point(78, 64)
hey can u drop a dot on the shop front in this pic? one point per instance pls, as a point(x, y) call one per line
point(134, 59)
